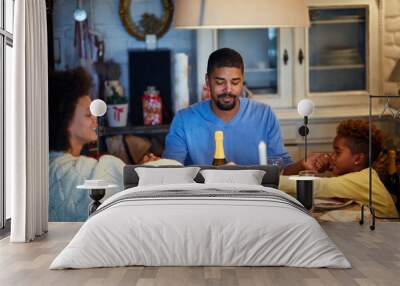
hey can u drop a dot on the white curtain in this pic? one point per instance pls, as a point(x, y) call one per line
point(27, 123)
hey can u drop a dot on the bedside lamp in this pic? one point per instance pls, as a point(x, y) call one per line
point(305, 108)
point(98, 108)
point(203, 14)
point(304, 182)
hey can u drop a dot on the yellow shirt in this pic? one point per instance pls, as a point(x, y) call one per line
point(350, 186)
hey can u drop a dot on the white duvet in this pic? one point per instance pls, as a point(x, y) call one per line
point(185, 231)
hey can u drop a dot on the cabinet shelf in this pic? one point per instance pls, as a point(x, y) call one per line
point(336, 67)
point(135, 130)
point(337, 21)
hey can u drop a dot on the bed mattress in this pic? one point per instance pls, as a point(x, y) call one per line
point(201, 225)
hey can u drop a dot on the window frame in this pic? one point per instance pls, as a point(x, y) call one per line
point(6, 39)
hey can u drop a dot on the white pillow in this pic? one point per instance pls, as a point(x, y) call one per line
point(248, 177)
point(164, 176)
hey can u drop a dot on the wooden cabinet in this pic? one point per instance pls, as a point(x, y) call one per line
point(334, 62)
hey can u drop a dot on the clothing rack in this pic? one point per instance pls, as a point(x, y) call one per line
point(370, 205)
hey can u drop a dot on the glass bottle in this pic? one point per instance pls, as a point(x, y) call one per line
point(152, 106)
point(219, 154)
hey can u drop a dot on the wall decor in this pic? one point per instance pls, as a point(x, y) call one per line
point(149, 23)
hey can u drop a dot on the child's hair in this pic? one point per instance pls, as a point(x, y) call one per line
point(357, 133)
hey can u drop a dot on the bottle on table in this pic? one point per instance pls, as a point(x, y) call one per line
point(219, 154)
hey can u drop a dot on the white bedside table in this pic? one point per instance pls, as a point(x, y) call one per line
point(97, 190)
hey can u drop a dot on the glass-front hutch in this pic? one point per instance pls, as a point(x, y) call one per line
point(334, 62)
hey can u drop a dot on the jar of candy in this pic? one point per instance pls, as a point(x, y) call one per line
point(152, 106)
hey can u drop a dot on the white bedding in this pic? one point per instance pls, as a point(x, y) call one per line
point(183, 231)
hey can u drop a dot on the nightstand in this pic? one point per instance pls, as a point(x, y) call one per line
point(305, 189)
point(97, 190)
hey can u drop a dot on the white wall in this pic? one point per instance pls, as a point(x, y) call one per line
point(391, 43)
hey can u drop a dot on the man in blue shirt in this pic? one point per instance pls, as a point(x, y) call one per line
point(245, 122)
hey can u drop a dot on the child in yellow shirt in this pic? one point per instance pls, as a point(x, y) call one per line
point(349, 165)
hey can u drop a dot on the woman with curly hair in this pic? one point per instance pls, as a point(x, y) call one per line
point(71, 126)
point(349, 166)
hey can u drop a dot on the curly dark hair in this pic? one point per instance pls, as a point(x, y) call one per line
point(65, 89)
point(357, 132)
point(224, 57)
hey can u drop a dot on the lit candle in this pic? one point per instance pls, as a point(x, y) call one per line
point(262, 153)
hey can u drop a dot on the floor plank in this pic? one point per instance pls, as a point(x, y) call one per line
point(375, 257)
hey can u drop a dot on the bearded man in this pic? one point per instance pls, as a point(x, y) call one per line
point(245, 122)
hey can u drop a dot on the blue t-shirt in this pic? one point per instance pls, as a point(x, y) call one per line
point(191, 136)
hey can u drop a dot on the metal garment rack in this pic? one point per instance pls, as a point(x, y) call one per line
point(370, 205)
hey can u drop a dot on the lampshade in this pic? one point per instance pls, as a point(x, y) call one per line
point(212, 14)
point(98, 107)
point(395, 74)
point(305, 107)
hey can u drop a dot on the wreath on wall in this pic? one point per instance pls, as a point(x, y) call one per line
point(149, 23)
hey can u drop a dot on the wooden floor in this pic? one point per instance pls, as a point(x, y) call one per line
point(375, 256)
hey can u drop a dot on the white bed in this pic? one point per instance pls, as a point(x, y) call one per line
point(225, 225)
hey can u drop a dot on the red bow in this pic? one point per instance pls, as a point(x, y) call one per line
point(117, 112)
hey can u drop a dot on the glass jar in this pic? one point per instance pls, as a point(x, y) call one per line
point(152, 106)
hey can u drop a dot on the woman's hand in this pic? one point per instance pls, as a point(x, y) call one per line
point(149, 158)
